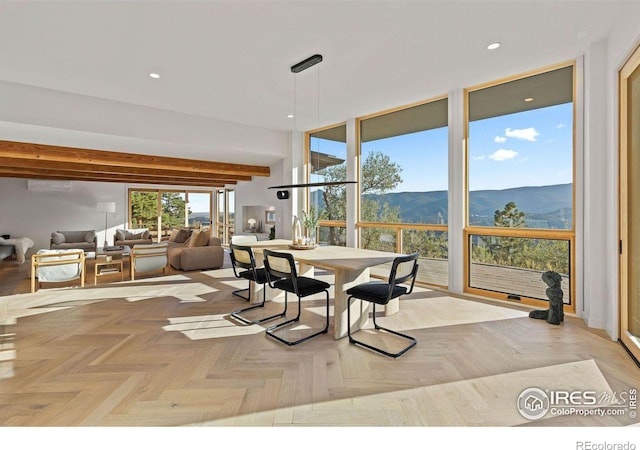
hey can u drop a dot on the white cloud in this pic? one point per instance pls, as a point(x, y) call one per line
point(500, 139)
point(528, 134)
point(478, 158)
point(503, 154)
point(560, 125)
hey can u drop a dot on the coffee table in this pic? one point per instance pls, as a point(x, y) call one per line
point(110, 260)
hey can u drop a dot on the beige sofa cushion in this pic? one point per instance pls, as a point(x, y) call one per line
point(180, 235)
point(57, 237)
point(129, 235)
point(199, 239)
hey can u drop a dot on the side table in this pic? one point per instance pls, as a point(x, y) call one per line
point(109, 261)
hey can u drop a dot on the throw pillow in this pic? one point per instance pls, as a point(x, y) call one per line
point(89, 236)
point(174, 235)
point(199, 239)
point(120, 235)
point(183, 235)
point(57, 237)
point(132, 236)
point(146, 234)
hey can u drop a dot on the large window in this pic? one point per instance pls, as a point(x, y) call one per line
point(520, 184)
point(225, 214)
point(162, 210)
point(404, 185)
point(326, 162)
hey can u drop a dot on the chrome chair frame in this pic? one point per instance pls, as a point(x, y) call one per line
point(372, 292)
point(253, 274)
point(289, 282)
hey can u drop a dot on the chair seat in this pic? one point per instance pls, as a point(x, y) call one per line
point(376, 292)
point(306, 286)
point(260, 278)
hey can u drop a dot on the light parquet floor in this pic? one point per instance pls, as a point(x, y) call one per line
point(162, 352)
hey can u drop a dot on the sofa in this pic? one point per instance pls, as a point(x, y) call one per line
point(194, 250)
point(132, 237)
point(70, 240)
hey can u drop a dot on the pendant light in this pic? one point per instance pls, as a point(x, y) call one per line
point(297, 68)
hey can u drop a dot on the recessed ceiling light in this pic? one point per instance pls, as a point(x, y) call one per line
point(528, 99)
point(289, 116)
point(154, 75)
point(493, 46)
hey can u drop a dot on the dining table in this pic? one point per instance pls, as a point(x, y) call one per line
point(350, 266)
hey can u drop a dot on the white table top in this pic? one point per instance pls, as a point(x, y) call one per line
point(330, 257)
point(345, 258)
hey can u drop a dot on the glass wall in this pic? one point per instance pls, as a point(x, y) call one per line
point(199, 204)
point(404, 181)
point(514, 265)
point(326, 162)
point(520, 176)
point(174, 211)
point(143, 210)
point(225, 214)
point(162, 210)
point(519, 183)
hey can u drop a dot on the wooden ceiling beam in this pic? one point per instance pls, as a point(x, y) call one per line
point(26, 150)
point(76, 176)
point(105, 170)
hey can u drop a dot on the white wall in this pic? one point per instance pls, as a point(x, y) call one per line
point(257, 193)
point(36, 214)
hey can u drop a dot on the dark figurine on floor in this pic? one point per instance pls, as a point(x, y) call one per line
point(555, 314)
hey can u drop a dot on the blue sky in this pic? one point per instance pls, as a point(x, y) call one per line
point(531, 148)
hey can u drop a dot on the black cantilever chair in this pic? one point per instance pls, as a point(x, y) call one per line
point(282, 274)
point(244, 266)
point(403, 271)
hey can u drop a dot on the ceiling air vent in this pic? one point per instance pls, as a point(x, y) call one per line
point(49, 185)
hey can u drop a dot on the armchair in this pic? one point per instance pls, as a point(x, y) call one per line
point(148, 258)
point(57, 266)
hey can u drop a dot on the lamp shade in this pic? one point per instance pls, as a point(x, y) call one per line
point(107, 207)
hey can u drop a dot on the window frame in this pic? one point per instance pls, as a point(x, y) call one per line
point(532, 233)
point(159, 192)
point(396, 227)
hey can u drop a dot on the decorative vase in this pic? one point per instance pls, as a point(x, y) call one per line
point(296, 231)
point(310, 237)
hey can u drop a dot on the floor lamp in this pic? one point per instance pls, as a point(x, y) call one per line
point(106, 207)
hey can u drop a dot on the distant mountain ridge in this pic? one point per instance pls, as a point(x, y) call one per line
point(552, 204)
point(544, 206)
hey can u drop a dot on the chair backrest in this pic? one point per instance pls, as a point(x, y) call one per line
point(149, 257)
point(58, 265)
point(244, 239)
point(403, 271)
point(242, 257)
point(280, 266)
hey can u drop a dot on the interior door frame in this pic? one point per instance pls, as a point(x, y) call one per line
point(631, 342)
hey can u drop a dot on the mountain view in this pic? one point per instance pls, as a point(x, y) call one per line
point(544, 206)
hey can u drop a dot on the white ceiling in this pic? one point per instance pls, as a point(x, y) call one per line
point(230, 60)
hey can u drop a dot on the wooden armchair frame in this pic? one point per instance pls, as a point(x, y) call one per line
point(47, 260)
point(148, 251)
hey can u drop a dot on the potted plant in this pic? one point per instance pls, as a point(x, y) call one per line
point(310, 222)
